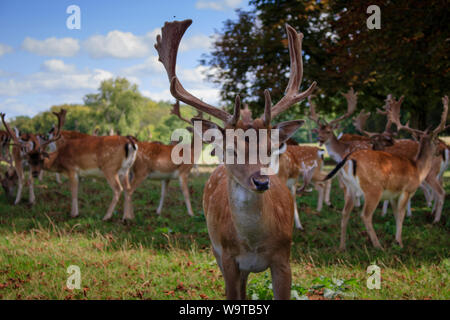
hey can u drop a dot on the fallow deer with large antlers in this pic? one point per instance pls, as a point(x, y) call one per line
point(29, 151)
point(408, 148)
point(381, 175)
point(338, 148)
point(249, 214)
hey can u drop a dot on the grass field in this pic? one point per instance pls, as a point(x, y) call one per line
point(169, 257)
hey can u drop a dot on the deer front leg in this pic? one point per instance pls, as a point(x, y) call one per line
point(128, 211)
point(371, 203)
point(164, 185)
point(439, 196)
point(31, 198)
point(58, 178)
point(20, 181)
point(385, 208)
point(232, 277)
point(281, 280)
point(73, 180)
point(114, 182)
point(400, 216)
point(298, 224)
point(243, 284)
point(185, 189)
point(348, 207)
point(327, 192)
point(320, 191)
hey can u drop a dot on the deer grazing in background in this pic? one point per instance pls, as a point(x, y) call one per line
point(29, 151)
point(432, 186)
point(306, 161)
point(381, 175)
point(337, 148)
point(249, 215)
point(154, 161)
point(83, 155)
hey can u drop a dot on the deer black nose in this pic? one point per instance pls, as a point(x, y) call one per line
point(261, 182)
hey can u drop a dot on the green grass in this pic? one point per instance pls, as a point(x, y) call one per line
point(169, 257)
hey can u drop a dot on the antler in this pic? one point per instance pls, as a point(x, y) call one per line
point(393, 106)
point(360, 121)
point(61, 115)
point(10, 132)
point(292, 95)
point(352, 99)
point(393, 114)
point(441, 127)
point(246, 114)
point(167, 46)
point(176, 111)
point(312, 110)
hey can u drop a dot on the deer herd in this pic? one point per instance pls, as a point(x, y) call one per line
point(250, 216)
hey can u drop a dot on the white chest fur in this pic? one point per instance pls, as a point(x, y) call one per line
point(246, 208)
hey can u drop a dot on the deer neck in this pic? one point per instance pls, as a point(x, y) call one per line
point(335, 148)
point(246, 212)
point(424, 158)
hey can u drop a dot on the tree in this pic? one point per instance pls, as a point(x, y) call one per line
point(409, 55)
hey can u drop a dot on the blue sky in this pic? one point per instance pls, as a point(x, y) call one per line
point(43, 63)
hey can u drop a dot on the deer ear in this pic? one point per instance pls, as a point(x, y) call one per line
point(288, 128)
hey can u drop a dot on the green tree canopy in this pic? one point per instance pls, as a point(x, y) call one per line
point(408, 56)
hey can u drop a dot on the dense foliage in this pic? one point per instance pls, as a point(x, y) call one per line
point(408, 56)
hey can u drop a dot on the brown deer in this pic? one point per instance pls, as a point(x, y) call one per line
point(29, 151)
point(338, 148)
point(381, 175)
point(249, 215)
point(154, 161)
point(108, 156)
point(295, 162)
point(408, 148)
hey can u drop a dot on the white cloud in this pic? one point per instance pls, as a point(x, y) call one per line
point(151, 66)
point(52, 47)
point(51, 81)
point(55, 65)
point(13, 107)
point(4, 49)
point(196, 42)
point(126, 45)
point(118, 44)
point(219, 5)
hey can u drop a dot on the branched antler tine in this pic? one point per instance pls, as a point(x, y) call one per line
point(360, 121)
point(444, 115)
point(61, 115)
point(292, 95)
point(246, 114)
point(237, 111)
point(10, 132)
point(167, 46)
point(352, 100)
point(312, 110)
point(176, 111)
point(267, 108)
point(393, 113)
